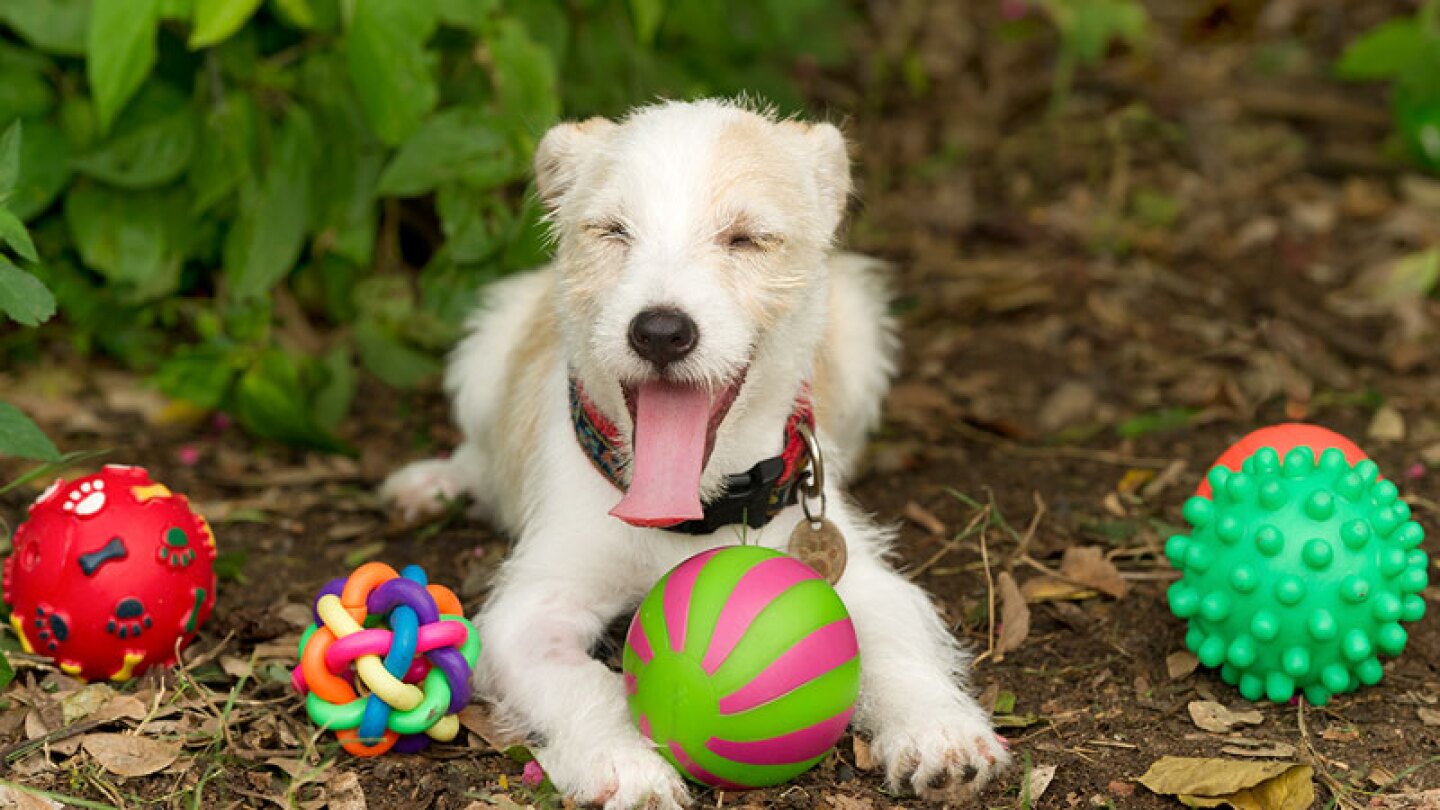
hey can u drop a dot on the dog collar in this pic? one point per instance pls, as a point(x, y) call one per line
point(751, 498)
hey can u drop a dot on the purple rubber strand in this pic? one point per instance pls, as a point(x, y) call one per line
point(411, 743)
point(401, 591)
point(335, 587)
point(457, 673)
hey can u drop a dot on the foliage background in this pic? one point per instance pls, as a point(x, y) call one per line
point(253, 199)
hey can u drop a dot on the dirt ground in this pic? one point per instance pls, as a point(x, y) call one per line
point(1096, 300)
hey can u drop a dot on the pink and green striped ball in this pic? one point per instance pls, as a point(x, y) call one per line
point(742, 666)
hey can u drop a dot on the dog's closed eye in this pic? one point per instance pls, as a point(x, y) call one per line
point(609, 229)
point(745, 239)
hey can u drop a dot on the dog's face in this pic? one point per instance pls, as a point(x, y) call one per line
point(691, 240)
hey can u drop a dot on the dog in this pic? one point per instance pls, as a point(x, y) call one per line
point(696, 317)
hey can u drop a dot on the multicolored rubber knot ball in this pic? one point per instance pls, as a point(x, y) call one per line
point(743, 667)
point(111, 573)
point(387, 663)
point(1297, 575)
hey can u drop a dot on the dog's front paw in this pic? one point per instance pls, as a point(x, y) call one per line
point(422, 489)
point(620, 778)
point(947, 758)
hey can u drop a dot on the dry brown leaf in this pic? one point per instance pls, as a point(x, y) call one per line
point(864, 758)
point(1424, 800)
point(342, 789)
point(1333, 734)
point(1204, 782)
point(924, 518)
point(478, 720)
point(296, 615)
point(1214, 717)
point(128, 755)
point(236, 667)
point(1388, 424)
point(1429, 717)
point(1038, 782)
point(1277, 750)
point(82, 703)
point(121, 707)
point(1179, 664)
point(16, 799)
point(1014, 616)
point(1049, 589)
point(1087, 565)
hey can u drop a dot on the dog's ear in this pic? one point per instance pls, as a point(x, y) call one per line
point(558, 155)
point(832, 164)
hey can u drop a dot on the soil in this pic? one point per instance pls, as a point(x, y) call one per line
point(1096, 298)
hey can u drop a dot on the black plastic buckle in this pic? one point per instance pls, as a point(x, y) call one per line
point(750, 498)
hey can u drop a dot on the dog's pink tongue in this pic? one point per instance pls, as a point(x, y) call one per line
point(671, 427)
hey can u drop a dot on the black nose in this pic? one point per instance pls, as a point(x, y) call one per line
point(663, 336)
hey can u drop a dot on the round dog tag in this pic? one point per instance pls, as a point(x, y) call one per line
point(821, 548)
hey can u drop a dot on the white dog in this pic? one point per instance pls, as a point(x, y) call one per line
point(694, 311)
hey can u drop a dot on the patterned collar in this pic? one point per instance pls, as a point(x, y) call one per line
point(751, 498)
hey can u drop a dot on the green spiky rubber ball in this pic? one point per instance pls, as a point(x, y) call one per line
point(1297, 575)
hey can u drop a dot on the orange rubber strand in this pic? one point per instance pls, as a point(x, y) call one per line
point(445, 600)
point(350, 741)
point(357, 589)
point(330, 687)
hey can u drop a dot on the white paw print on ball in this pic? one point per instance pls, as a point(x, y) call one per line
point(86, 499)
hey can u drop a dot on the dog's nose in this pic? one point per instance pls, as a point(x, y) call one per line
point(663, 336)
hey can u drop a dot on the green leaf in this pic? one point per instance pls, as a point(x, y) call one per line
point(44, 170)
point(459, 144)
point(136, 239)
point(120, 53)
point(12, 233)
point(23, 297)
point(178, 10)
point(10, 157)
point(524, 75)
point(389, 359)
point(1088, 27)
point(51, 469)
point(1385, 51)
point(201, 375)
point(21, 438)
point(297, 13)
point(332, 401)
point(1156, 422)
point(147, 156)
point(24, 93)
point(647, 15)
point(224, 158)
point(230, 566)
point(265, 242)
point(468, 15)
point(389, 67)
point(270, 402)
point(53, 26)
point(474, 222)
point(217, 20)
point(7, 672)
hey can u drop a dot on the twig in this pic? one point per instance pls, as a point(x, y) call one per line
point(1023, 547)
point(989, 595)
point(19, 749)
point(951, 544)
point(1081, 453)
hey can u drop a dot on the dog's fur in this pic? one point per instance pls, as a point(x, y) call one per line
point(646, 212)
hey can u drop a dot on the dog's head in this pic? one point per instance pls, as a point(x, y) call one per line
point(691, 240)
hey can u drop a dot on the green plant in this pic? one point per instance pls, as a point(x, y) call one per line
point(254, 198)
point(1088, 29)
point(1405, 51)
point(23, 298)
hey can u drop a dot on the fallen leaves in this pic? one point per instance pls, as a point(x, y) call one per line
point(1037, 782)
point(1205, 782)
point(1180, 664)
point(128, 755)
point(1429, 717)
point(1214, 717)
point(1082, 569)
point(1014, 616)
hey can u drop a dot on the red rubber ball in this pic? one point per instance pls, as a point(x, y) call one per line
point(109, 572)
point(1283, 438)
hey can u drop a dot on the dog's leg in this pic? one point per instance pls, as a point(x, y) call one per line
point(426, 488)
point(931, 736)
point(538, 630)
